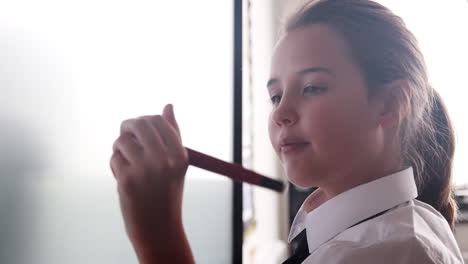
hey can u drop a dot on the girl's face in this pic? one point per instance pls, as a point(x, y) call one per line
point(320, 105)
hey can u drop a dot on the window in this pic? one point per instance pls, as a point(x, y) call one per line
point(70, 72)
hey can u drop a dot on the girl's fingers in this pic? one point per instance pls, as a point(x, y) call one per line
point(165, 131)
point(154, 135)
point(118, 164)
point(168, 133)
point(128, 148)
point(168, 114)
point(144, 133)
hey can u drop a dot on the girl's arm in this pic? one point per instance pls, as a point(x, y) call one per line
point(149, 163)
point(170, 247)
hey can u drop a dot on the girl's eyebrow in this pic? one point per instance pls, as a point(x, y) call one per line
point(314, 69)
point(272, 81)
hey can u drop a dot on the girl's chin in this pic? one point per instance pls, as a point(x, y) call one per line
point(303, 180)
point(306, 176)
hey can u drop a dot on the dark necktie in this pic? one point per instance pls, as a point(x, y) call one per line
point(302, 250)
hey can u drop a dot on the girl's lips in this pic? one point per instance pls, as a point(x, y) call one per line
point(293, 147)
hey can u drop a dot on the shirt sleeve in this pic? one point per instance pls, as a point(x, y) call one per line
point(407, 251)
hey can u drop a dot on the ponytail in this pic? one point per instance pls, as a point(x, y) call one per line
point(432, 161)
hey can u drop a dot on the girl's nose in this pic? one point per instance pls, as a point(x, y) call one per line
point(285, 114)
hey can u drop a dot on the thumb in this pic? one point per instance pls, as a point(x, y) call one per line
point(168, 114)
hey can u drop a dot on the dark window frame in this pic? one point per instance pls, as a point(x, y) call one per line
point(237, 135)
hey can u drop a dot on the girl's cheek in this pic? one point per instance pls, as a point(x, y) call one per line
point(332, 129)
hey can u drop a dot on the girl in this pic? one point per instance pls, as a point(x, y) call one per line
point(352, 113)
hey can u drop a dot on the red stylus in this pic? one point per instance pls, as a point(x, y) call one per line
point(232, 170)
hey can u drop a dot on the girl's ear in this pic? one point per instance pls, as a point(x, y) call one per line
point(395, 103)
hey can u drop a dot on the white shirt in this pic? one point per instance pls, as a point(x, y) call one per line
point(410, 232)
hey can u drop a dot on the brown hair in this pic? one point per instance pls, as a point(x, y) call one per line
point(385, 51)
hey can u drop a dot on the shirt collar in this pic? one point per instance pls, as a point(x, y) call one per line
point(354, 205)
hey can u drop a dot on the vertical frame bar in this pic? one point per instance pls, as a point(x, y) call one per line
point(237, 144)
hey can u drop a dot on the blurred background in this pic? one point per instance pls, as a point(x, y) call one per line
point(72, 71)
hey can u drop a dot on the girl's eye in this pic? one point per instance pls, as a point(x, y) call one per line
point(314, 89)
point(275, 99)
point(308, 89)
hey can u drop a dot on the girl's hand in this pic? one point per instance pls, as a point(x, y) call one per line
point(149, 163)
